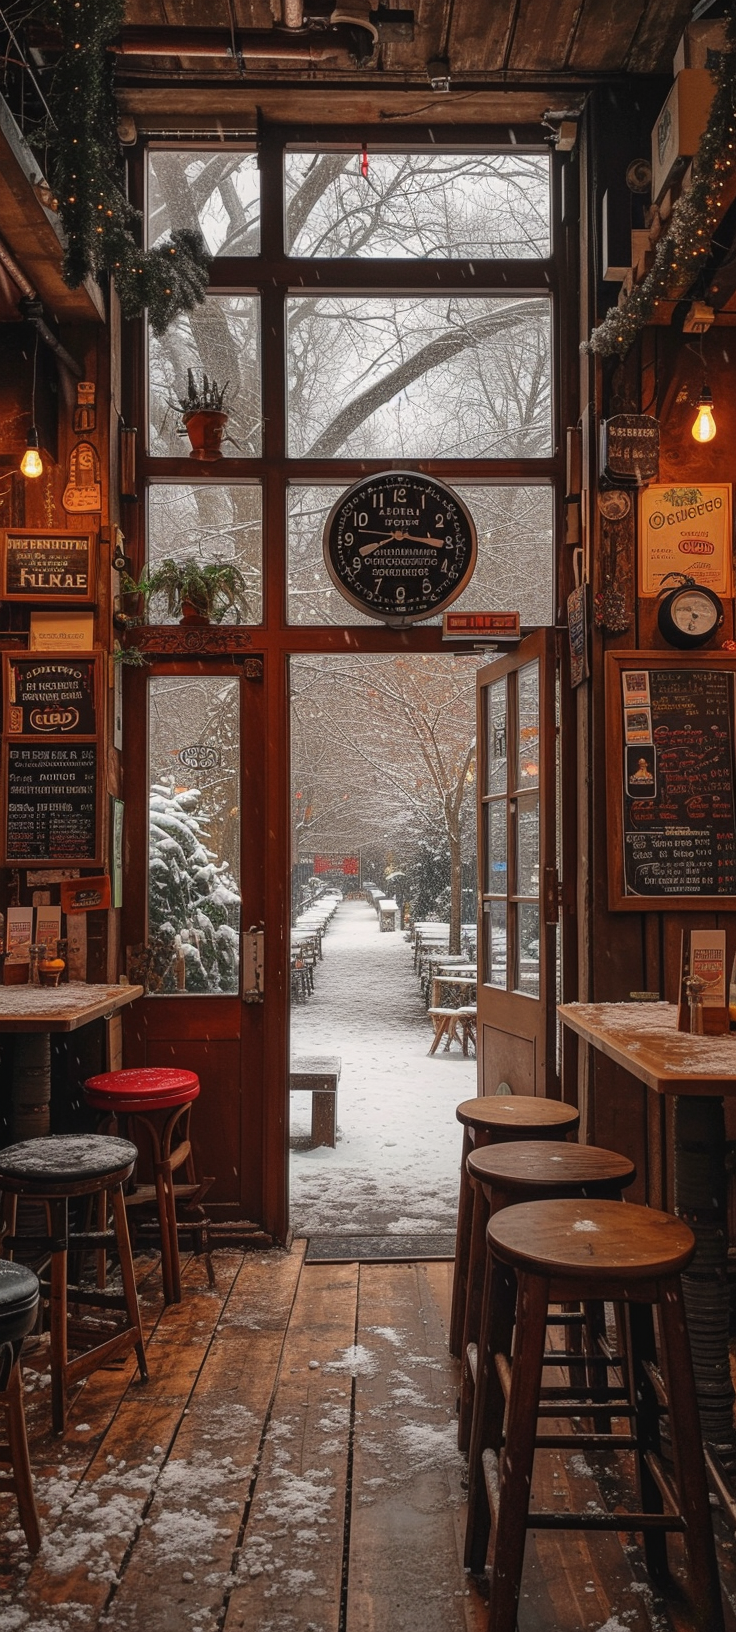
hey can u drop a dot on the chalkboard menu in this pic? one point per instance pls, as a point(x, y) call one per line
point(50, 696)
point(46, 568)
point(672, 788)
point(51, 803)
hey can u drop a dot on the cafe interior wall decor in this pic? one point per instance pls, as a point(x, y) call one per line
point(454, 284)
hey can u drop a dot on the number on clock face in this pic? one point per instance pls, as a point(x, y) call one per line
point(399, 545)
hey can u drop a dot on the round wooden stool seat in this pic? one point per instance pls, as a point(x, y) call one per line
point(148, 1089)
point(571, 1239)
point(48, 1167)
point(514, 1116)
point(56, 1170)
point(19, 1294)
point(494, 1119)
point(540, 1165)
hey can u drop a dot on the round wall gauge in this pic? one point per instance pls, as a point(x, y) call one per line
point(689, 615)
point(400, 546)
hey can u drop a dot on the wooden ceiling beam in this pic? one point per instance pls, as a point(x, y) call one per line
point(33, 233)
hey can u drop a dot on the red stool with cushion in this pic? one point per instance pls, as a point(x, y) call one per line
point(159, 1100)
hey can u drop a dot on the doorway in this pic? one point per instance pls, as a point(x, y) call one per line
point(383, 839)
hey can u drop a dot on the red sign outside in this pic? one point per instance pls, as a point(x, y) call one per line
point(348, 865)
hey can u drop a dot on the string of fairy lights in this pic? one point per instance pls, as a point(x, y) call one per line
point(87, 176)
point(681, 252)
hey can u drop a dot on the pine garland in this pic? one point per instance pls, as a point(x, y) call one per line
point(680, 253)
point(87, 177)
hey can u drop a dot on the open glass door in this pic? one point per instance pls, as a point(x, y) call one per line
point(517, 939)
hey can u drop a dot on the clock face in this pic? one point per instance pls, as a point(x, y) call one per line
point(400, 546)
point(693, 613)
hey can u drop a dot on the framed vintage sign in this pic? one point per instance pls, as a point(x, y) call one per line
point(52, 806)
point(45, 568)
point(671, 813)
point(50, 696)
point(686, 529)
point(400, 546)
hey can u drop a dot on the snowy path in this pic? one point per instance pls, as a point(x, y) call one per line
point(395, 1168)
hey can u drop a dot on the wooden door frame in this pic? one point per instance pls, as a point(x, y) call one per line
point(275, 275)
point(511, 1004)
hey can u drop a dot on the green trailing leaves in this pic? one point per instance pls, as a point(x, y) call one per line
point(88, 177)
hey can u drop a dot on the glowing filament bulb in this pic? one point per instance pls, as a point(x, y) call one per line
point(31, 464)
point(704, 426)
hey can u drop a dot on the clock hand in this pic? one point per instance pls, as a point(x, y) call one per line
point(367, 549)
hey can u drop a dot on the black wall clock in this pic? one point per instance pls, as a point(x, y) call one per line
point(689, 615)
point(400, 546)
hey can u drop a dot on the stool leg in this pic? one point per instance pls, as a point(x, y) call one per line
point(496, 1333)
point(518, 1456)
point(9, 1215)
point(101, 1222)
point(58, 1216)
point(170, 1270)
point(687, 1454)
point(462, 1251)
point(20, 1460)
point(127, 1272)
point(642, 1348)
point(473, 1304)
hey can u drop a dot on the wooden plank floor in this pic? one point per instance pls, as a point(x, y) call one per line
point(291, 1466)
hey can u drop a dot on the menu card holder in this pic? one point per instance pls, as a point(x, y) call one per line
point(695, 956)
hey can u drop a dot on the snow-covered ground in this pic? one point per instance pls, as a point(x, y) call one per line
point(396, 1165)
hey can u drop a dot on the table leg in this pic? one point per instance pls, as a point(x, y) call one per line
point(700, 1199)
point(31, 1084)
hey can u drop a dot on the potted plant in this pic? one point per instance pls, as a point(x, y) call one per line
point(196, 591)
point(203, 416)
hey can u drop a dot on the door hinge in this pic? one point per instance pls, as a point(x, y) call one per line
point(252, 941)
point(551, 900)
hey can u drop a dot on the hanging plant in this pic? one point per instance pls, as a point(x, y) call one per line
point(87, 174)
point(681, 252)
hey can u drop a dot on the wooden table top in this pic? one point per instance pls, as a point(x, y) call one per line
point(643, 1038)
point(60, 1008)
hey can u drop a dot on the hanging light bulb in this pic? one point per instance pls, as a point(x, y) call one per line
point(31, 463)
point(704, 426)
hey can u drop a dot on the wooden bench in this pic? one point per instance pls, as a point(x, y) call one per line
point(318, 1075)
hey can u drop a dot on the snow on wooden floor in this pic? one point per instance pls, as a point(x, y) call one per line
point(291, 1466)
point(396, 1107)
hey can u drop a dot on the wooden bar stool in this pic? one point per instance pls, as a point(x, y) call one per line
point(504, 1176)
point(54, 1170)
point(561, 1251)
point(491, 1120)
point(19, 1294)
point(157, 1101)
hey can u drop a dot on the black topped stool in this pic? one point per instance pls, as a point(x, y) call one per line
point(491, 1120)
point(558, 1251)
point(19, 1295)
point(53, 1171)
point(534, 1170)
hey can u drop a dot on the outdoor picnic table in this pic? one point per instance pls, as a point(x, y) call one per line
point(460, 983)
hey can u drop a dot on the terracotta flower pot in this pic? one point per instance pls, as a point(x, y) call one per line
point(191, 613)
point(205, 430)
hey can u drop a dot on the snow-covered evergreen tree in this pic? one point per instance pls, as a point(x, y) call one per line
point(194, 902)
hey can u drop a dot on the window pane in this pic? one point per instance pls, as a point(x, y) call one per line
point(528, 950)
point(527, 770)
point(527, 845)
point(209, 522)
point(194, 827)
point(220, 339)
point(515, 564)
point(215, 190)
point(495, 879)
point(496, 737)
point(494, 938)
point(404, 377)
point(418, 205)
